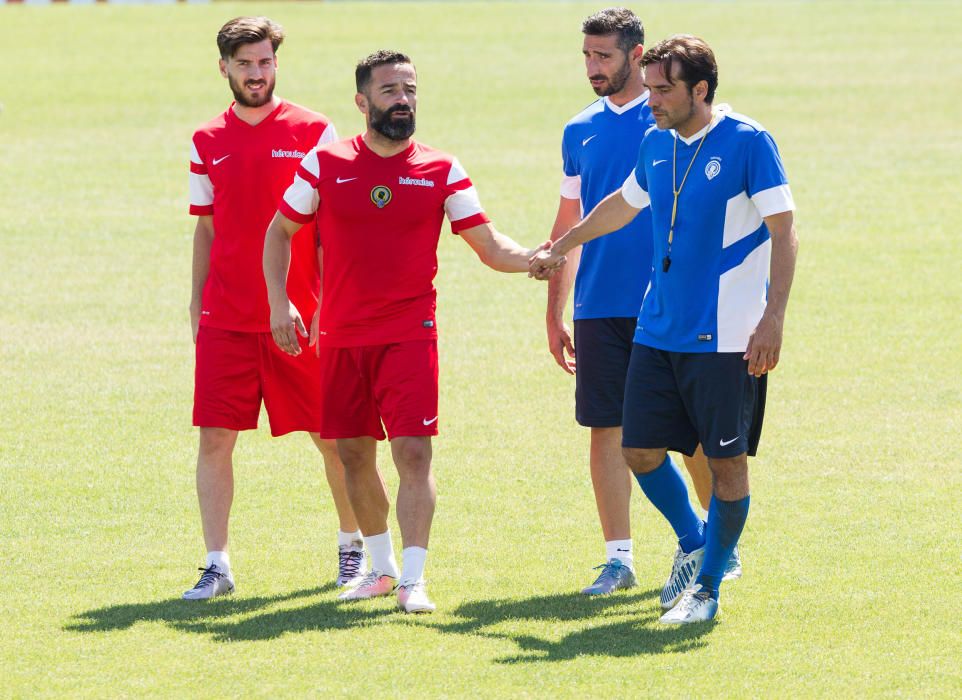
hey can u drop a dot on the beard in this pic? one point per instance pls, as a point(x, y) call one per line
point(615, 83)
point(396, 130)
point(242, 99)
point(675, 119)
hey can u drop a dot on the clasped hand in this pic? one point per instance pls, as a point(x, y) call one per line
point(545, 262)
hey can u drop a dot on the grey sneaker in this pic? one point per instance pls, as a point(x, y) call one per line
point(213, 582)
point(696, 605)
point(351, 563)
point(614, 576)
point(684, 569)
point(733, 569)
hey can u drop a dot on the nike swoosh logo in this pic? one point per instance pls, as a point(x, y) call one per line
point(585, 142)
point(218, 160)
point(428, 422)
point(657, 162)
point(723, 443)
point(345, 179)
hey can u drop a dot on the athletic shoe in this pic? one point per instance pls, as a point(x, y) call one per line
point(371, 585)
point(413, 598)
point(696, 605)
point(733, 569)
point(614, 576)
point(213, 582)
point(684, 569)
point(350, 563)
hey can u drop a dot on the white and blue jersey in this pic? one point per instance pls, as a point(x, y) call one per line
point(599, 149)
point(715, 291)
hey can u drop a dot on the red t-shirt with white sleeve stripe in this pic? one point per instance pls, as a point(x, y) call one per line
point(237, 174)
point(379, 221)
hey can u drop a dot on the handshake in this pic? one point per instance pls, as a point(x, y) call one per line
point(545, 262)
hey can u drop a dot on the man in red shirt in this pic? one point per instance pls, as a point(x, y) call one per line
point(241, 161)
point(379, 200)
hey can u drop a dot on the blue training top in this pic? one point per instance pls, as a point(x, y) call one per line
point(715, 290)
point(600, 146)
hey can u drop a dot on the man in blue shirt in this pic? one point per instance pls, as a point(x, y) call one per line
point(599, 149)
point(710, 326)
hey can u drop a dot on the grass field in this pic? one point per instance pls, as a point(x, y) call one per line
point(851, 550)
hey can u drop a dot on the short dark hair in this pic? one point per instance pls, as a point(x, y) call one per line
point(616, 20)
point(695, 59)
point(381, 57)
point(248, 30)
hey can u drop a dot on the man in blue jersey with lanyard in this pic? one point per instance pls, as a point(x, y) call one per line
point(599, 149)
point(711, 322)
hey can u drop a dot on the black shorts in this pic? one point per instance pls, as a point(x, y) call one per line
point(679, 399)
point(602, 351)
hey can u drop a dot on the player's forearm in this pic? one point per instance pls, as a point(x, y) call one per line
point(277, 261)
point(782, 270)
point(561, 282)
point(200, 263)
point(611, 214)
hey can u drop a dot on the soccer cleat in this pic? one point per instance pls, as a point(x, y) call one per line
point(696, 605)
point(614, 576)
point(212, 583)
point(733, 569)
point(684, 569)
point(350, 563)
point(413, 598)
point(371, 585)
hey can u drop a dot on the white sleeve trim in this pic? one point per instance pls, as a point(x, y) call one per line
point(774, 200)
point(301, 197)
point(571, 186)
point(194, 155)
point(462, 204)
point(457, 173)
point(634, 194)
point(329, 135)
point(201, 190)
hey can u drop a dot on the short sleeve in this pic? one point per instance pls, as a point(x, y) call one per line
point(634, 191)
point(767, 183)
point(200, 187)
point(301, 200)
point(462, 206)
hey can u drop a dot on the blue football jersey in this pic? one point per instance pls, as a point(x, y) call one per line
point(600, 146)
point(714, 292)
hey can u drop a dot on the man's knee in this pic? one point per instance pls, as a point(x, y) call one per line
point(730, 477)
point(355, 453)
point(412, 455)
point(217, 442)
point(642, 461)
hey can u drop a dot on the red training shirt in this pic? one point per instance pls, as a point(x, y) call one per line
point(380, 221)
point(237, 174)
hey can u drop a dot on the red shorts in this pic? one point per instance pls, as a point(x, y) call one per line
point(396, 384)
point(234, 371)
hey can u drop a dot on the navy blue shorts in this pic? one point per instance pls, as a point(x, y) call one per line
point(602, 351)
point(679, 399)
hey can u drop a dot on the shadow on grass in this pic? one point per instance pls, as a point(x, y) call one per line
point(190, 616)
point(642, 634)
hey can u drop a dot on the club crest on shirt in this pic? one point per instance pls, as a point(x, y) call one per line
point(713, 168)
point(381, 195)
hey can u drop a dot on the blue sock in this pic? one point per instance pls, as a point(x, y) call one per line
point(666, 490)
point(725, 522)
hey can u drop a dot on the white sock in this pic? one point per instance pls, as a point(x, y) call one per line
point(381, 550)
point(220, 559)
point(412, 559)
point(349, 539)
point(621, 550)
